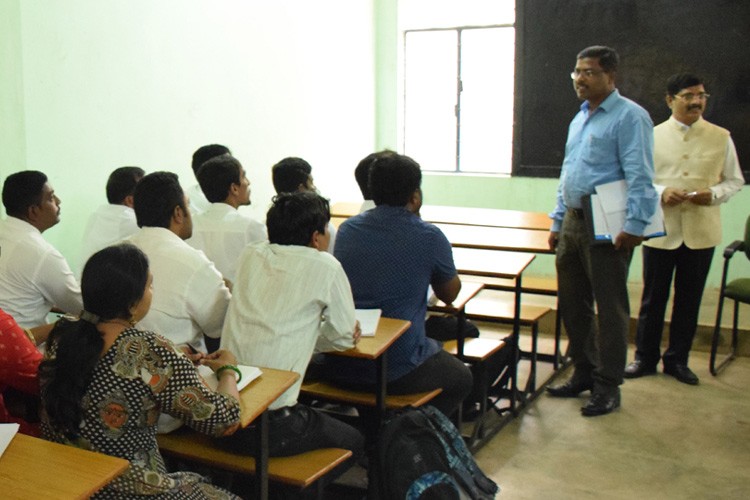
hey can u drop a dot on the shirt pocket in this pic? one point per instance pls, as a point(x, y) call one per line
point(599, 151)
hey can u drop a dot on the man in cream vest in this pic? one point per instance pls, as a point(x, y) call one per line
point(696, 170)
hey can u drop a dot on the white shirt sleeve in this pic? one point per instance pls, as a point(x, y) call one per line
point(57, 283)
point(208, 300)
point(732, 179)
point(336, 332)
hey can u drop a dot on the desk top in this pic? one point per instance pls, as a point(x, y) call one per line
point(469, 290)
point(388, 331)
point(490, 217)
point(491, 263)
point(261, 392)
point(39, 469)
point(497, 238)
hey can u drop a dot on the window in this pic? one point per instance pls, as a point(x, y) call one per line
point(458, 98)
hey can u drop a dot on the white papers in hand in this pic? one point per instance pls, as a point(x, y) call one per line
point(612, 198)
point(368, 320)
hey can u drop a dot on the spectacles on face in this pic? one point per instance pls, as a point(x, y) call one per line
point(689, 96)
point(588, 73)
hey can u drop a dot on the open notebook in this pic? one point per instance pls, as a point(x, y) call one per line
point(249, 373)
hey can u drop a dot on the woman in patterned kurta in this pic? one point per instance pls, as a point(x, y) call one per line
point(105, 382)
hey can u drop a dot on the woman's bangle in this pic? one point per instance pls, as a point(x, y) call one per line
point(30, 335)
point(229, 367)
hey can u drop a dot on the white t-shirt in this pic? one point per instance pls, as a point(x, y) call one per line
point(190, 298)
point(288, 301)
point(222, 232)
point(34, 276)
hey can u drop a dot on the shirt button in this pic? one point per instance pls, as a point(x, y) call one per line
point(685, 174)
point(685, 157)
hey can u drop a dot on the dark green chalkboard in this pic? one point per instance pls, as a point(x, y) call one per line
point(655, 38)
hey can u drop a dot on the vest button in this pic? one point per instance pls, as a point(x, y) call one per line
point(685, 174)
point(685, 157)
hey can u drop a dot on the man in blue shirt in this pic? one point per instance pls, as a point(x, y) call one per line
point(391, 256)
point(610, 139)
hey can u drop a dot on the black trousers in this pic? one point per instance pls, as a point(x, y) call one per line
point(690, 270)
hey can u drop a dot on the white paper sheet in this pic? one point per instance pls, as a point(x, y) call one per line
point(368, 320)
point(7, 431)
point(249, 373)
point(613, 197)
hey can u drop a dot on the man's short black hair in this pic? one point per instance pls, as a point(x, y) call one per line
point(205, 153)
point(155, 198)
point(680, 81)
point(289, 173)
point(362, 172)
point(21, 191)
point(217, 175)
point(294, 217)
point(393, 180)
point(607, 56)
point(122, 182)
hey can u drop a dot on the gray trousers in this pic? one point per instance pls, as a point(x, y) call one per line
point(588, 275)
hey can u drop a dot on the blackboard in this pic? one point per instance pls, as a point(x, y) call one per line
point(655, 39)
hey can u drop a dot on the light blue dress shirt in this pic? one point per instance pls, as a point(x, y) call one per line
point(614, 142)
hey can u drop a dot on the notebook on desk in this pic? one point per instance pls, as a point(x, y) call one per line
point(249, 373)
point(368, 320)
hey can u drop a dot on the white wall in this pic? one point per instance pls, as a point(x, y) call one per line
point(145, 82)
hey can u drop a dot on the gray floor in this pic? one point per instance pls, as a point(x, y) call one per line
point(667, 441)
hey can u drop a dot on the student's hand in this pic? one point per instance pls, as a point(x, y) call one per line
point(553, 239)
point(627, 241)
point(195, 357)
point(672, 197)
point(219, 358)
point(701, 197)
point(357, 333)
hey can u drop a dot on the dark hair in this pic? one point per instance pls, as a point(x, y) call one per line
point(122, 182)
point(155, 197)
point(289, 173)
point(205, 153)
point(21, 191)
point(294, 217)
point(362, 172)
point(680, 81)
point(217, 175)
point(393, 180)
point(607, 56)
point(113, 281)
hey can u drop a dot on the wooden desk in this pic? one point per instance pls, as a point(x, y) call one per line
point(497, 238)
point(39, 469)
point(490, 217)
point(469, 290)
point(255, 399)
point(376, 348)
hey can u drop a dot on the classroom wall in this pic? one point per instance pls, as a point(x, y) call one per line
point(12, 129)
point(138, 82)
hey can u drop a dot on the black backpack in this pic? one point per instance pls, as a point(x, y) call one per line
point(421, 455)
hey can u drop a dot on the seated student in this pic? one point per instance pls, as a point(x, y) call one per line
point(34, 276)
point(198, 201)
point(292, 298)
point(362, 176)
point(19, 360)
point(103, 382)
point(391, 256)
point(190, 297)
point(115, 221)
point(222, 232)
point(293, 175)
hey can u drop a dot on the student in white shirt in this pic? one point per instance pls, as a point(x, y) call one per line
point(34, 276)
point(222, 232)
point(198, 201)
point(293, 175)
point(292, 298)
point(190, 297)
point(115, 221)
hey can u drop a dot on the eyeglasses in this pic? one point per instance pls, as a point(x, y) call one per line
point(690, 96)
point(588, 73)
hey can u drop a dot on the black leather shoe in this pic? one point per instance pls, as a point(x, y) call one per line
point(682, 373)
point(601, 404)
point(638, 368)
point(570, 389)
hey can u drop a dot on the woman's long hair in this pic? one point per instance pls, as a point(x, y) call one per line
point(113, 281)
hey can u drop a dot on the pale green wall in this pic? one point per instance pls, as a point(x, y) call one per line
point(12, 128)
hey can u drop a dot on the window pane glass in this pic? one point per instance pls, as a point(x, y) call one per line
point(487, 64)
point(430, 100)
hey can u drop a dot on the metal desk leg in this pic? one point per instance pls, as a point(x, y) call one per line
point(261, 457)
point(381, 389)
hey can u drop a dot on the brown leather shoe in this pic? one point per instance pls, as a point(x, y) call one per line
point(570, 389)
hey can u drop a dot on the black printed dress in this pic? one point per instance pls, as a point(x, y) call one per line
point(141, 375)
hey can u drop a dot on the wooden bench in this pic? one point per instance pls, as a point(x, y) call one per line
point(317, 467)
point(329, 392)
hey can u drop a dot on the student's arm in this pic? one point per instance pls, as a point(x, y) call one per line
point(208, 300)
point(448, 291)
point(57, 283)
point(337, 333)
point(445, 281)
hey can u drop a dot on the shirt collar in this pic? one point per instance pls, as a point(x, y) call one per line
point(21, 225)
point(606, 104)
